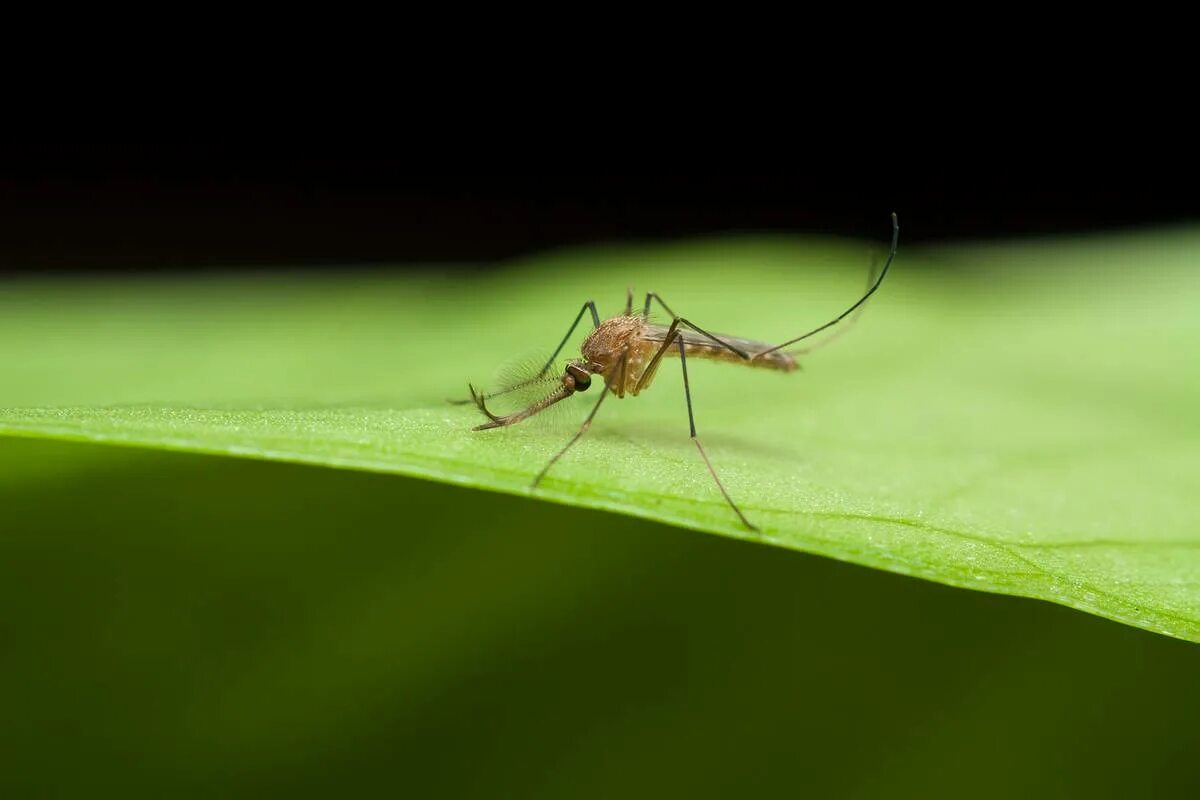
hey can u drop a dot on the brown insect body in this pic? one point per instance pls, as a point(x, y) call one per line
point(638, 340)
point(628, 350)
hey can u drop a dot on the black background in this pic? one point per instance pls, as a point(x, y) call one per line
point(121, 209)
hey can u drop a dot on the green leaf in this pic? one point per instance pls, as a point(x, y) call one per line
point(201, 626)
point(1018, 419)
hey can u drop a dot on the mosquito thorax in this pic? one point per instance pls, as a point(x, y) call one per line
point(605, 345)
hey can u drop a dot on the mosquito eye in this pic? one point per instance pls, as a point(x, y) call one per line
point(581, 379)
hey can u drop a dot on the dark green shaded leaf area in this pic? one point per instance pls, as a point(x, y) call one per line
point(193, 626)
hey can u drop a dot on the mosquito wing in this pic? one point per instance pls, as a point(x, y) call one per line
point(698, 345)
point(658, 333)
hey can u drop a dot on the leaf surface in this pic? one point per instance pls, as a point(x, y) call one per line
point(1011, 418)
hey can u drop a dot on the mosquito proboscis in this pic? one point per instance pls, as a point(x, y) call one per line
point(627, 350)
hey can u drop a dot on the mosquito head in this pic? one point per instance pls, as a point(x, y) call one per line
point(577, 377)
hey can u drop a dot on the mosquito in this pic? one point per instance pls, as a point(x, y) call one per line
point(626, 351)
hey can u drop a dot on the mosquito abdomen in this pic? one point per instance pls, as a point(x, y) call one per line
point(697, 345)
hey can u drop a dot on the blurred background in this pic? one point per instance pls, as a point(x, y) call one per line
point(67, 208)
point(188, 625)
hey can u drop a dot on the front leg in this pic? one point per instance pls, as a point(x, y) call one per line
point(587, 423)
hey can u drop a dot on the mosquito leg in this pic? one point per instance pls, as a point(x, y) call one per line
point(669, 339)
point(588, 306)
point(688, 324)
point(658, 354)
point(629, 302)
point(857, 304)
point(687, 392)
point(587, 423)
point(652, 296)
point(873, 285)
point(839, 331)
point(623, 381)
